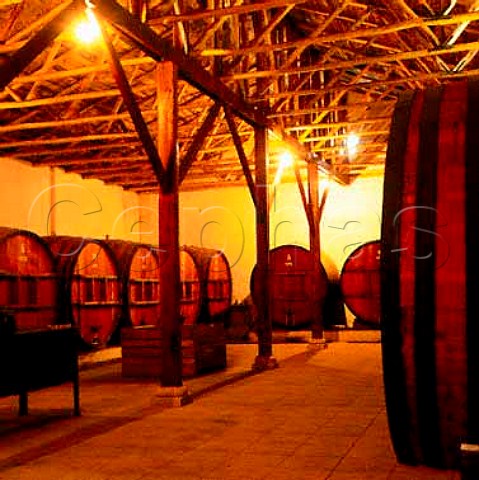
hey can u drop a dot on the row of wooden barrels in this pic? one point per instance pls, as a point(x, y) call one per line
point(295, 290)
point(101, 285)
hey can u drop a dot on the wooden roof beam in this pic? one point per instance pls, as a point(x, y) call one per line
point(357, 123)
point(72, 139)
point(221, 12)
point(91, 162)
point(410, 55)
point(359, 34)
point(106, 173)
point(65, 123)
point(55, 152)
point(320, 138)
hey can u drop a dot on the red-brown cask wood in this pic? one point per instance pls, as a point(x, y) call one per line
point(429, 301)
point(90, 294)
point(291, 280)
point(360, 283)
point(191, 288)
point(28, 279)
point(206, 285)
point(138, 267)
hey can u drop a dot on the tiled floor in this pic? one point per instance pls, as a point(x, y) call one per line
point(318, 416)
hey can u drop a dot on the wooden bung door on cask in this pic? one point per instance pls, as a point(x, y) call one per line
point(430, 274)
point(360, 283)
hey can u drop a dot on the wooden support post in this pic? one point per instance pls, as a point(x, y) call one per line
point(317, 326)
point(170, 323)
point(265, 357)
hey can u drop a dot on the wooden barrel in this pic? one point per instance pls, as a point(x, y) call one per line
point(28, 280)
point(138, 268)
point(293, 295)
point(360, 283)
point(91, 287)
point(430, 274)
point(205, 283)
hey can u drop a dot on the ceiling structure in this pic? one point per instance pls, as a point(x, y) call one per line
point(313, 71)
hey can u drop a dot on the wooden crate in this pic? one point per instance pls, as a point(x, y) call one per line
point(141, 350)
point(204, 348)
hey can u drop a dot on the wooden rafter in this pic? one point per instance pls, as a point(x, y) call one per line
point(133, 109)
point(241, 155)
point(198, 141)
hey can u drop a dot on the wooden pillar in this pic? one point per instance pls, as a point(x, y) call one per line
point(317, 324)
point(265, 357)
point(170, 324)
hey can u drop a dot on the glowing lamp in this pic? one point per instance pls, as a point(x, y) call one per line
point(285, 160)
point(88, 31)
point(352, 143)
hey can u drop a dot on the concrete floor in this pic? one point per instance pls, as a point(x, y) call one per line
point(319, 416)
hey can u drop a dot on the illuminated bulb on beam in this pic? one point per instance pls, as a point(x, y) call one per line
point(285, 160)
point(88, 31)
point(324, 184)
point(352, 143)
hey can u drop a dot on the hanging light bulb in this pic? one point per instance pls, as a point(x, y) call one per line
point(286, 159)
point(88, 31)
point(352, 143)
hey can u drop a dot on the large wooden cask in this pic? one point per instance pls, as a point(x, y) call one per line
point(138, 267)
point(205, 302)
point(90, 296)
point(206, 285)
point(430, 275)
point(360, 283)
point(293, 294)
point(28, 279)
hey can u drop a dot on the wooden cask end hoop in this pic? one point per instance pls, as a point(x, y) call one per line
point(360, 283)
point(429, 278)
